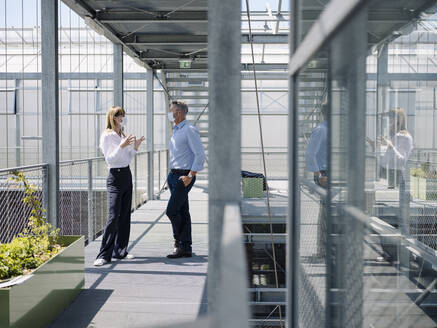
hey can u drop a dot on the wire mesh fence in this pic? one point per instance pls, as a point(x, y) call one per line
point(313, 275)
point(141, 176)
point(73, 198)
point(83, 208)
point(13, 212)
point(417, 188)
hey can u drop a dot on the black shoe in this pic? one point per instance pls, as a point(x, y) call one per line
point(180, 252)
point(177, 244)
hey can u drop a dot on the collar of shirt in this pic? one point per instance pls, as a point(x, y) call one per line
point(115, 134)
point(180, 125)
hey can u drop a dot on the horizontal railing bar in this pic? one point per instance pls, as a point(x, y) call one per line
point(23, 168)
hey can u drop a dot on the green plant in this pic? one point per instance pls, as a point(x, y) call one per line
point(424, 171)
point(36, 244)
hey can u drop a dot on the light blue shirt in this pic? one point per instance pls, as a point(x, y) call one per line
point(316, 156)
point(186, 149)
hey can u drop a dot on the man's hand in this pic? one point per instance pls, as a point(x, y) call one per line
point(323, 180)
point(186, 180)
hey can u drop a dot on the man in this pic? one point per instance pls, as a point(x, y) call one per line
point(186, 159)
point(317, 162)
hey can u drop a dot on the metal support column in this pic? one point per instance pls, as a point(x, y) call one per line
point(383, 99)
point(118, 74)
point(293, 219)
point(18, 119)
point(168, 123)
point(50, 104)
point(347, 166)
point(224, 37)
point(150, 133)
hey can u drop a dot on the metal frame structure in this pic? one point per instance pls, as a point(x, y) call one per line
point(165, 36)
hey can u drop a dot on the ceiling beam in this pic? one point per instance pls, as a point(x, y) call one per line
point(192, 17)
point(201, 40)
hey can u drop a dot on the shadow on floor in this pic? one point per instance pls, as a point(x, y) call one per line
point(88, 303)
point(203, 308)
point(165, 260)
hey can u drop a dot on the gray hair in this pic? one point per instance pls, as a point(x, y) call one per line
point(181, 106)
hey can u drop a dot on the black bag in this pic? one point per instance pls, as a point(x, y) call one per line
point(247, 174)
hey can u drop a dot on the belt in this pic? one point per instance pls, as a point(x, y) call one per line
point(119, 169)
point(179, 172)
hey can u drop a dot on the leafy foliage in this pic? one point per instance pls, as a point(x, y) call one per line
point(36, 244)
point(425, 171)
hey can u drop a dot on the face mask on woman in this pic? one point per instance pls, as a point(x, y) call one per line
point(123, 122)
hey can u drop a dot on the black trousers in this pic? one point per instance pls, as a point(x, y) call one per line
point(117, 230)
point(178, 210)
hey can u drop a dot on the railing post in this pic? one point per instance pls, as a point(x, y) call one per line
point(45, 186)
point(90, 202)
point(159, 171)
point(167, 153)
point(135, 180)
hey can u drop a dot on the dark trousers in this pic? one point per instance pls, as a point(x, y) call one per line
point(117, 230)
point(178, 210)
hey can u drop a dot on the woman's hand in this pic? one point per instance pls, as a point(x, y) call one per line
point(372, 143)
point(388, 142)
point(127, 141)
point(137, 142)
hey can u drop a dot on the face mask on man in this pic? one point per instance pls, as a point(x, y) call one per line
point(170, 117)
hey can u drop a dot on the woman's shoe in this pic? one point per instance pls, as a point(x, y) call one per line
point(100, 262)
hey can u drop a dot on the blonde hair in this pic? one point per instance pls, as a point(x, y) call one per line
point(398, 114)
point(110, 115)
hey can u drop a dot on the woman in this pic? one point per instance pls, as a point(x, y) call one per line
point(399, 146)
point(118, 151)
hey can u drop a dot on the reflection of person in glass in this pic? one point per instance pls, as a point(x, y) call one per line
point(399, 146)
point(316, 158)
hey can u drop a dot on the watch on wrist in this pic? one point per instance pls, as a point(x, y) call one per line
point(190, 175)
point(316, 178)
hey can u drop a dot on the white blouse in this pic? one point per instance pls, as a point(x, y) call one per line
point(115, 156)
point(397, 157)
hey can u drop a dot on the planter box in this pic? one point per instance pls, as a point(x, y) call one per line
point(253, 188)
point(51, 288)
point(427, 189)
point(414, 187)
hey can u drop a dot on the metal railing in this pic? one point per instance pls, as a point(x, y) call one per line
point(82, 194)
point(14, 213)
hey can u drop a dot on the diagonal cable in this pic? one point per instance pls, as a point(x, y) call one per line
point(263, 158)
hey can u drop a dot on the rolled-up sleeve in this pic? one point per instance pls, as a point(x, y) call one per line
point(196, 147)
point(132, 152)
